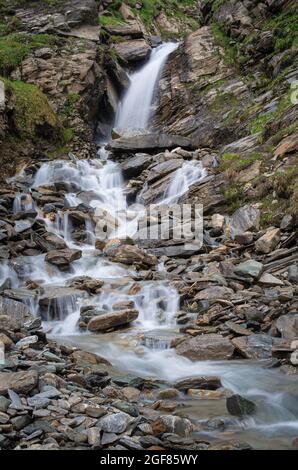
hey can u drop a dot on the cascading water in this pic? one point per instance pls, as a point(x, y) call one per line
point(135, 109)
point(145, 348)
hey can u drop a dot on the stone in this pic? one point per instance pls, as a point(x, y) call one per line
point(6, 341)
point(270, 280)
point(287, 222)
point(245, 238)
point(20, 382)
point(214, 293)
point(148, 142)
point(112, 319)
point(217, 221)
point(240, 406)
point(293, 273)
point(132, 255)
point(173, 424)
point(287, 325)
point(205, 347)
point(63, 258)
point(109, 438)
point(114, 423)
point(26, 342)
point(132, 51)
point(4, 404)
point(13, 314)
point(131, 394)
point(250, 268)
point(126, 407)
point(256, 346)
point(84, 357)
point(244, 219)
point(200, 382)
point(269, 241)
point(132, 167)
point(294, 358)
point(94, 437)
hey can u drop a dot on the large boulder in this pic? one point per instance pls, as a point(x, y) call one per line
point(131, 255)
point(13, 314)
point(244, 219)
point(19, 382)
point(132, 51)
point(268, 241)
point(109, 320)
point(63, 258)
point(205, 347)
point(150, 142)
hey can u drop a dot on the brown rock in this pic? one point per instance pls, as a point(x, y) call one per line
point(111, 320)
point(19, 382)
point(205, 347)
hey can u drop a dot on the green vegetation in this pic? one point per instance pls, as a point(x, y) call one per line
point(284, 28)
point(223, 100)
point(15, 47)
point(229, 45)
point(68, 135)
point(234, 197)
point(32, 115)
point(236, 162)
point(259, 123)
point(150, 10)
point(70, 105)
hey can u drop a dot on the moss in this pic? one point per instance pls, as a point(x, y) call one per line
point(150, 10)
point(234, 197)
point(32, 115)
point(15, 47)
point(105, 20)
point(68, 135)
point(223, 100)
point(284, 29)
point(230, 47)
point(70, 105)
point(260, 122)
point(236, 162)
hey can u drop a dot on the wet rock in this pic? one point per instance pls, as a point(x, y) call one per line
point(134, 166)
point(268, 241)
point(174, 424)
point(13, 313)
point(26, 342)
point(63, 258)
point(250, 268)
point(58, 302)
point(87, 358)
point(86, 283)
point(126, 407)
point(149, 142)
point(201, 382)
point(114, 423)
point(111, 320)
point(205, 347)
point(132, 51)
point(132, 255)
point(20, 382)
point(256, 346)
point(240, 406)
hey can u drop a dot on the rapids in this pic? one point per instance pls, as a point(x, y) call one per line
point(145, 347)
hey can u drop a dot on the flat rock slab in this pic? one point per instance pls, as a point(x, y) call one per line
point(149, 142)
point(112, 319)
point(210, 346)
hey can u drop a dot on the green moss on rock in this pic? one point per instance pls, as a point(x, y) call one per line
point(32, 114)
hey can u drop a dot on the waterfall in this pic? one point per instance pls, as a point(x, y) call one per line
point(135, 109)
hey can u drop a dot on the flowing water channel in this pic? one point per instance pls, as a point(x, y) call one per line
point(144, 348)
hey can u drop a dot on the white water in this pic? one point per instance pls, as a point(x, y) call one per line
point(135, 109)
point(100, 183)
